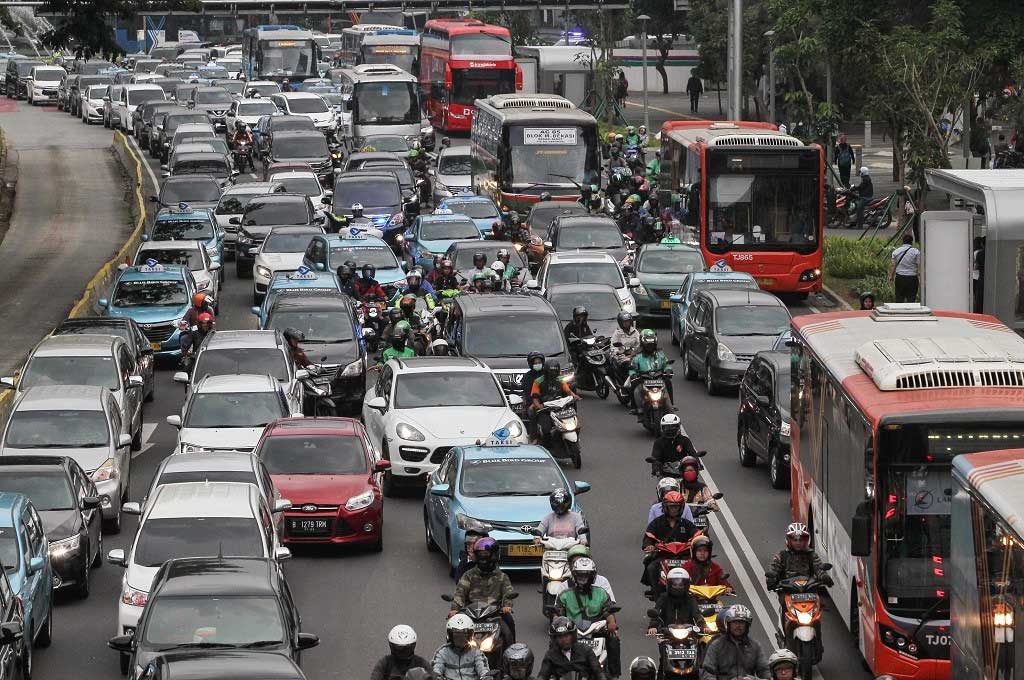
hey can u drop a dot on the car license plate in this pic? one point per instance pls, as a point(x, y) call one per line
point(485, 627)
point(155, 346)
point(524, 550)
point(309, 526)
point(761, 281)
point(666, 304)
point(683, 653)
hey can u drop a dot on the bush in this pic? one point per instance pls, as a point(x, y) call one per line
point(848, 259)
point(881, 286)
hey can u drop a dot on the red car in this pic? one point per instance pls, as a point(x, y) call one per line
point(328, 470)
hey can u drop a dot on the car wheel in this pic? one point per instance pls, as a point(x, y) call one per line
point(778, 471)
point(387, 485)
point(428, 537)
point(673, 338)
point(26, 662)
point(378, 545)
point(137, 439)
point(747, 457)
point(689, 373)
point(97, 561)
point(106, 122)
point(46, 633)
point(709, 381)
point(82, 588)
point(113, 525)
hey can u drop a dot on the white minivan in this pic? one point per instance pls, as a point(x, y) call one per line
point(131, 97)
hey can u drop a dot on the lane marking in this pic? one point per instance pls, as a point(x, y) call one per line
point(144, 163)
point(147, 435)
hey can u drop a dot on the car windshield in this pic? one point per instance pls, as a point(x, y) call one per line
point(234, 204)
point(230, 621)
point(9, 552)
point(431, 390)
point(162, 539)
point(149, 294)
point(268, 213)
point(95, 92)
point(403, 56)
point(658, 261)
point(752, 320)
point(291, 124)
point(243, 361)
point(287, 243)
point(601, 306)
point(314, 455)
point(307, 105)
point(245, 477)
point(300, 146)
point(300, 185)
point(482, 45)
point(540, 218)
point(189, 191)
point(25, 67)
point(585, 272)
point(454, 164)
point(49, 74)
point(182, 230)
point(213, 97)
point(136, 97)
point(464, 256)
point(447, 230)
point(256, 108)
point(469, 85)
point(264, 89)
point(217, 167)
point(186, 257)
point(318, 327)
point(57, 429)
point(502, 336)
point(510, 477)
point(233, 409)
point(590, 236)
point(392, 143)
point(47, 490)
point(385, 103)
point(71, 370)
point(172, 122)
point(370, 193)
point(121, 330)
point(379, 256)
point(476, 210)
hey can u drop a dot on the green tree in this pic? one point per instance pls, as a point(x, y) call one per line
point(84, 27)
point(666, 25)
point(708, 22)
point(522, 25)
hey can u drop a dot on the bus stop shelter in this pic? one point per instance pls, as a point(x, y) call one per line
point(562, 70)
point(996, 199)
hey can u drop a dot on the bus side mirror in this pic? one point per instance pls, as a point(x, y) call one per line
point(860, 531)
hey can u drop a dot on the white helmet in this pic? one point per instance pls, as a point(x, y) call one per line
point(666, 484)
point(864, 171)
point(402, 635)
point(781, 656)
point(677, 572)
point(460, 623)
point(498, 267)
point(670, 425)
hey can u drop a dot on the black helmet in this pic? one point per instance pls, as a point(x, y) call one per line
point(562, 625)
point(580, 310)
point(545, 196)
point(622, 317)
point(481, 259)
point(560, 501)
point(293, 335)
point(643, 668)
point(395, 314)
point(351, 264)
point(514, 218)
point(517, 661)
point(533, 358)
point(552, 369)
point(369, 271)
point(485, 554)
point(239, 125)
point(344, 272)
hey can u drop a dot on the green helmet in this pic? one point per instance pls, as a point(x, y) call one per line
point(630, 129)
point(648, 339)
point(414, 153)
point(402, 328)
point(633, 198)
point(578, 551)
point(479, 276)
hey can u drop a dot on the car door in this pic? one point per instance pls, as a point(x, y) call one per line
point(144, 356)
point(747, 401)
point(374, 418)
point(9, 658)
point(752, 388)
point(91, 517)
point(690, 338)
point(765, 412)
point(132, 395)
point(293, 618)
point(440, 506)
point(122, 108)
point(35, 594)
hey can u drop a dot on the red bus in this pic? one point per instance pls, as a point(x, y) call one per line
point(462, 60)
point(755, 198)
point(882, 401)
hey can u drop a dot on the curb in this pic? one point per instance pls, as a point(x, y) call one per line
point(835, 297)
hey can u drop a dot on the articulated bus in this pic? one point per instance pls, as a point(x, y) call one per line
point(986, 570)
point(755, 197)
point(882, 402)
point(524, 145)
point(462, 60)
point(279, 53)
point(352, 40)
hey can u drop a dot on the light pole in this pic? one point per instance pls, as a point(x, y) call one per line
point(771, 75)
point(643, 19)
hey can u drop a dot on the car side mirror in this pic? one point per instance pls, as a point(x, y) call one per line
point(378, 404)
point(320, 267)
point(282, 504)
point(515, 400)
point(7, 383)
point(117, 557)
point(165, 174)
point(382, 465)
point(548, 245)
point(532, 284)
point(581, 486)
point(122, 643)
point(136, 381)
point(124, 440)
point(444, 490)
point(255, 310)
point(634, 282)
point(214, 266)
point(181, 377)
point(12, 630)
point(174, 421)
point(36, 564)
point(676, 298)
point(326, 200)
point(281, 554)
point(131, 508)
point(103, 302)
point(308, 640)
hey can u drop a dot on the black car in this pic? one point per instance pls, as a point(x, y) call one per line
point(199, 191)
point(15, 85)
point(165, 132)
point(587, 233)
point(269, 125)
point(763, 422)
point(333, 340)
point(379, 193)
point(15, 649)
point(542, 213)
point(69, 507)
point(302, 147)
point(231, 603)
point(221, 665)
point(124, 328)
point(262, 214)
point(142, 118)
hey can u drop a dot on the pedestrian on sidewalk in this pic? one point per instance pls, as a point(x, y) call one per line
point(979, 143)
point(906, 270)
point(844, 159)
point(694, 88)
point(621, 89)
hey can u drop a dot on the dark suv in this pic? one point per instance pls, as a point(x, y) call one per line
point(262, 214)
point(17, 71)
point(301, 147)
point(763, 422)
point(724, 329)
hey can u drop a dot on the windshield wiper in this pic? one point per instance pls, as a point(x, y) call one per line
point(197, 645)
point(259, 643)
point(488, 494)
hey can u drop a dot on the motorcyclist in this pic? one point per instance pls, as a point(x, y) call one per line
point(702, 569)
point(672, 446)
point(675, 605)
point(286, 85)
point(294, 336)
point(735, 653)
point(650, 359)
point(625, 342)
point(517, 663)
point(666, 484)
point(535, 369)
point(643, 668)
point(354, 221)
point(482, 282)
point(545, 388)
point(398, 341)
point(670, 527)
point(562, 521)
point(566, 657)
point(499, 282)
point(632, 138)
point(457, 659)
point(512, 272)
point(577, 552)
point(577, 329)
point(630, 222)
point(479, 266)
point(589, 602)
point(443, 277)
point(193, 339)
point(417, 287)
point(616, 161)
point(642, 138)
point(694, 490)
point(783, 664)
point(485, 582)
point(474, 532)
point(796, 559)
point(242, 135)
point(347, 280)
point(653, 168)
point(393, 666)
point(367, 288)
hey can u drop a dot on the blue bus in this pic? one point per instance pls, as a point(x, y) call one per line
point(279, 53)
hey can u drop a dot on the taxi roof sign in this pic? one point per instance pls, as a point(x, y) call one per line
point(356, 234)
point(151, 266)
point(501, 437)
point(671, 241)
point(182, 207)
point(444, 211)
point(303, 273)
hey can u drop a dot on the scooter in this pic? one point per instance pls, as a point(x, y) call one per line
point(486, 619)
point(554, 567)
point(591, 358)
point(654, 398)
point(669, 555)
point(679, 649)
point(373, 319)
point(801, 632)
point(564, 439)
point(707, 598)
point(621, 390)
point(594, 634)
point(316, 392)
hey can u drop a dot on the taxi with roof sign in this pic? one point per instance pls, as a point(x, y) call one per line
point(156, 296)
point(480, 209)
point(185, 223)
point(431, 236)
point(302, 279)
point(698, 281)
point(327, 252)
point(504, 486)
point(661, 268)
point(189, 254)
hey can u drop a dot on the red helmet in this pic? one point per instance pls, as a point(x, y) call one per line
point(672, 498)
point(205, 317)
point(199, 299)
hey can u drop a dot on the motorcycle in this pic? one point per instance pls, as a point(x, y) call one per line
point(242, 155)
point(372, 319)
point(669, 556)
point(591, 358)
point(801, 632)
point(679, 649)
point(844, 214)
point(554, 567)
point(564, 438)
point(316, 392)
point(707, 598)
point(654, 398)
point(487, 637)
point(622, 393)
point(594, 633)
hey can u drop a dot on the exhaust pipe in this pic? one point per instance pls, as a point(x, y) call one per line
point(611, 384)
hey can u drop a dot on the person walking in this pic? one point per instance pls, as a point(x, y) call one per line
point(844, 159)
point(621, 89)
point(978, 274)
point(905, 270)
point(694, 88)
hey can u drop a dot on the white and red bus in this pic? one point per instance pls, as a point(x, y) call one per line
point(754, 196)
point(882, 401)
point(462, 60)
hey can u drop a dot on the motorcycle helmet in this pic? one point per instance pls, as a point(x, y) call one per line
point(480, 278)
point(417, 673)
point(479, 260)
point(414, 154)
point(623, 318)
point(503, 255)
point(677, 582)
point(293, 335)
point(578, 550)
point(560, 625)
point(535, 360)
point(351, 264)
point(206, 318)
point(369, 271)
point(620, 138)
point(648, 340)
point(560, 501)
point(445, 141)
point(580, 314)
point(670, 425)
point(413, 276)
point(402, 640)
point(357, 210)
point(199, 299)
point(864, 172)
point(737, 612)
point(407, 305)
point(666, 484)
point(643, 129)
point(517, 661)
point(781, 657)
point(344, 272)
point(798, 539)
point(584, 571)
point(514, 219)
point(485, 554)
point(446, 266)
point(462, 626)
point(701, 542)
point(239, 125)
point(545, 196)
point(552, 369)
point(394, 314)
point(630, 130)
point(611, 137)
point(499, 268)
point(495, 228)
point(690, 467)
point(632, 199)
point(643, 668)
point(672, 499)
point(399, 335)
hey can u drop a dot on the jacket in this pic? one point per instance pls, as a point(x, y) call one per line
point(581, 660)
point(694, 85)
point(787, 564)
point(672, 450)
point(526, 383)
point(643, 363)
point(676, 610)
point(866, 188)
point(579, 331)
point(630, 341)
point(727, 658)
point(665, 533)
point(368, 289)
point(392, 353)
point(478, 586)
point(707, 574)
point(450, 664)
point(390, 668)
point(546, 390)
point(698, 492)
point(588, 606)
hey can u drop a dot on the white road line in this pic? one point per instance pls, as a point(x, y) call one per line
point(145, 163)
point(147, 434)
point(252, 174)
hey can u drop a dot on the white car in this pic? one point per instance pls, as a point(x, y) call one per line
point(43, 82)
point(576, 267)
point(229, 412)
point(193, 519)
point(192, 254)
point(249, 111)
point(92, 104)
point(281, 251)
point(309, 105)
point(304, 182)
point(129, 100)
point(453, 174)
point(232, 204)
point(420, 408)
point(232, 66)
point(264, 88)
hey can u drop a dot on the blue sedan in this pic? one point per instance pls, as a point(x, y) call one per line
point(26, 557)
point(156, 296)
point(500, 484)
point(431, 235)
point(698, 281)
point(480, 209)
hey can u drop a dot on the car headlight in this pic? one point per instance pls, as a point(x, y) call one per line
point(785, 428)
point(136, 598)
point(465, 521)
point(640, 290)
point(359, 502)
point(61, 548)
point(396, 220)
point(409, 433)
point(725, 354)
point(104, 472)
point(213, 250)
point(263, 271)
point(353, 369)
point(191, 448)
point(515, 429)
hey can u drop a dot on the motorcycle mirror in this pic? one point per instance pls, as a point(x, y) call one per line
point(701, 454)
point(671, 361)
point(513, 596)
point(653, 614)
point(826, 566)
point(536, 532)
point(614, 608)
point(446, 597)
point(725, 576)
point(550, 611)
point(718, 496)
point(650, 459)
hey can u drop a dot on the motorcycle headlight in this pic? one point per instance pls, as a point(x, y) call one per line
point(353, 369)
point(264, 271)
point(409, 433)
point(361, 501)
point(785, 428)
point(515, 429)
point(679, 633)
point(59, 549)
point(487, 644)
point(725, 354)
point(104, 472)
point(804, 618)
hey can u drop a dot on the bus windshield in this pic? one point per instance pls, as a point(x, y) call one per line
point(404, 57)
point(286, 58)
point(386, 103)
point(471, 84)
point(482, 45)
point(551, 155)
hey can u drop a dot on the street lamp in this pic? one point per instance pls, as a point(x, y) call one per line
point(643, 19)
point(771, 75)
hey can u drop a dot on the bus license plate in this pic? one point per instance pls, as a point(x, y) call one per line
point(684, 653)
point(761, 281)
point(525, 550)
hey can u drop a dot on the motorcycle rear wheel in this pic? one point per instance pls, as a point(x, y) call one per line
point(602, 387)
point(573, 449)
